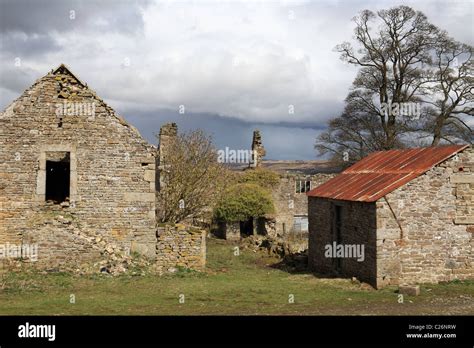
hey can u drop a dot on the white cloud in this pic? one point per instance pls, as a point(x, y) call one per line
point(246, 59)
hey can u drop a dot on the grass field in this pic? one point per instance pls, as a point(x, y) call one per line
point(248, 284)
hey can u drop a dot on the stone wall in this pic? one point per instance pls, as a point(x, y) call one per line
point(180, 246)
point(358, 224)
point(229, 230)
point(61, 244)
point(288, 203)
point(422, 232)
point(462, 179)
point(112, 172)
point(425, 229)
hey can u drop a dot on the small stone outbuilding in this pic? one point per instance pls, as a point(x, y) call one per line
point(410, 211)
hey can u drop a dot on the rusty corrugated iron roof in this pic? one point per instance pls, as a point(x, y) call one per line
point(382, 172)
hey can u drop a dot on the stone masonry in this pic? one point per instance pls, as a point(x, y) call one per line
point(425, 229)
point(168, 133)
point(422, 232)
point(289, 203)
point(358, 226)
point(258, 151)
point(111, 176)
point(181, 246)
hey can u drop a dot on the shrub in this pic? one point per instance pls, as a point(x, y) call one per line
point(261, 177)
point(243, 201)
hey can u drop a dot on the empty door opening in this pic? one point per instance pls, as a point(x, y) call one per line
point(246, 227)
point(338, 232)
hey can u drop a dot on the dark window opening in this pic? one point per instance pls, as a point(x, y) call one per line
point(57, 181)
point(302, 186)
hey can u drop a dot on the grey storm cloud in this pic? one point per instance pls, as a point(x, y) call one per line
point(21, 45)
point(44, 16)
point(32, 28)
point(282, 141)
point(234, 65)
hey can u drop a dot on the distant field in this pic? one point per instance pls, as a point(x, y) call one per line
point(246, 284)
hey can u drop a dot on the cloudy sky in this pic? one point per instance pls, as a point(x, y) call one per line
point(234, 65)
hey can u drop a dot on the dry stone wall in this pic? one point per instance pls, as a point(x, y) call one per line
point(180, 246)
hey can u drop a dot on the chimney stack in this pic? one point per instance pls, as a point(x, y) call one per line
point(168, 134)
point(258, 151)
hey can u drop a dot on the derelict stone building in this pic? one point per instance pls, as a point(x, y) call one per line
point(291, 202)
point(412, 210)
point(290, 219)
point(78, 181)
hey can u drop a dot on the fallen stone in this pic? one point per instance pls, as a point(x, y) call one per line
point(411, 290)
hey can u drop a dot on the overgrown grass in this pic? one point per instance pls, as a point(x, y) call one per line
point(244, 284)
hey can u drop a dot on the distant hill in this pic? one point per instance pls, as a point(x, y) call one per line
point(293, 167)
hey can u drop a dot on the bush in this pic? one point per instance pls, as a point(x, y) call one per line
point(261, 177)
point(243, 201)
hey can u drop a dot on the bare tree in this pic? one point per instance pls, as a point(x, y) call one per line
point(451, 94)
point(357, 132)
point(193, 178)
point(402, 60)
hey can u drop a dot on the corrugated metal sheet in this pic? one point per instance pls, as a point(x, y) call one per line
point(382, 172)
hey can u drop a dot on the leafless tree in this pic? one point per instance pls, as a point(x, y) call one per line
point(403, 59)
point(451, 94)
point(193, 178)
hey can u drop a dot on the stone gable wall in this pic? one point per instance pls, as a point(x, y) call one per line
point(425, 229)
point(112, 172)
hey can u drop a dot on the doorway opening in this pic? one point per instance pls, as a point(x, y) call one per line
point(246, 227)
point(337, 223)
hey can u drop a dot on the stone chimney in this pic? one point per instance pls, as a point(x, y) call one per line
point(258, 151)
point(168, 133)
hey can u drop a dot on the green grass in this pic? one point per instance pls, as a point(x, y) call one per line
point(246, 284)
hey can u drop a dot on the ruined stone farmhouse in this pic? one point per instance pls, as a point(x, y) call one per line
point(79, 182)
point(412, 211)
point(290, 219)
